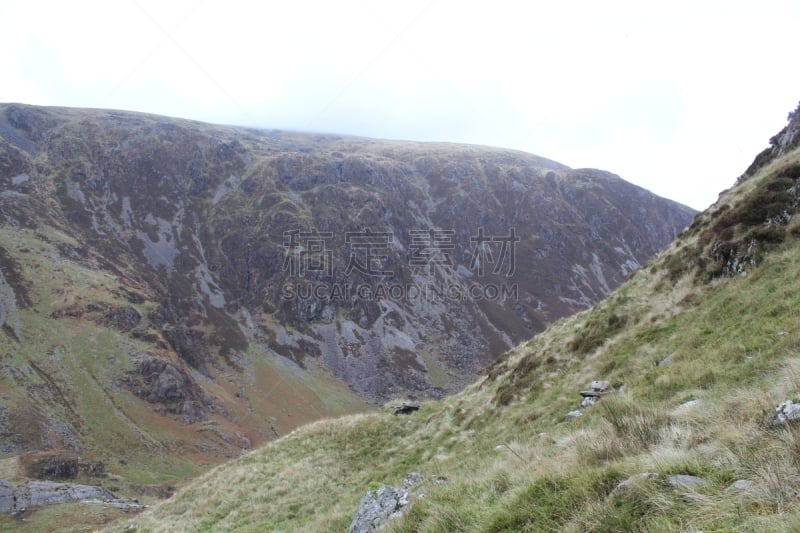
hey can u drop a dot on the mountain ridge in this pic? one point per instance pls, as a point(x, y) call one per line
point(695, 359)
point(144, 261)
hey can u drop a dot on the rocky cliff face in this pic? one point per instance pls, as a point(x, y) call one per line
point(780, 143)
point(226, 275)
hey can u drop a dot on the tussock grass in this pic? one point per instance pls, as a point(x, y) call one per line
point(640, 426)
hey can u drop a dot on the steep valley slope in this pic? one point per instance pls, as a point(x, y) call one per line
point(696, 430)
point(173, 293)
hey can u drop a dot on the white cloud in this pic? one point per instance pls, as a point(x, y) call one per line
point(678, 97)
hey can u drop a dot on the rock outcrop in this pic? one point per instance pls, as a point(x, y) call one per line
point(378, 506)
point(41, 493)
point(785, 412)
point(171, 387)
point(783, 141)
point(597, 389)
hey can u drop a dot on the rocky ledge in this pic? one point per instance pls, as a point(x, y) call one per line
point(16, 500)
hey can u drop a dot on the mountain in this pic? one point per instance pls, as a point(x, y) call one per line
point(669, 406)
point(173, 293)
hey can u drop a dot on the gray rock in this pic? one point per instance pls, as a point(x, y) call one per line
point(597, 390)
point(40, 493)
point(589, 401)
point(687, 481)
point(6, 496)
point(377, 507)
point(742, 484)
point(784, 412)
point(381, 505)
point(572, 415)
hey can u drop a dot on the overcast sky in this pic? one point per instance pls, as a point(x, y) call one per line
point(675, 96)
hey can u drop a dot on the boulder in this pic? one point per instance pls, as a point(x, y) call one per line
point(783, 413)
point(572, 415)
point(378, 506)
point(597, 389)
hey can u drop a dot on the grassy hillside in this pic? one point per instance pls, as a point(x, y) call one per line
point(227, 246)
point(174, 293)
point(714, 319)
